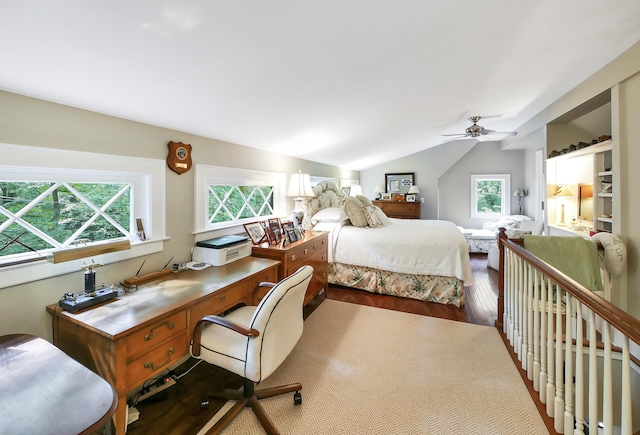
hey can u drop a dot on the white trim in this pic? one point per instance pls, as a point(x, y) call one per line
point(505, 195)
point(148, 176)
point(206, 175)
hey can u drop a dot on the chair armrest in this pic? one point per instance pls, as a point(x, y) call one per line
point(267, 284)
point(218, 320)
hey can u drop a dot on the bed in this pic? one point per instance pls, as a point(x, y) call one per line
point(419, 259)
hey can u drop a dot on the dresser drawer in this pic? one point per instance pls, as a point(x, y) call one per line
point(218, 302)
point(154, 360)
point(302, 253)
point(145, 339)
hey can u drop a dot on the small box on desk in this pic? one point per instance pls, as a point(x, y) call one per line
point(222, 250)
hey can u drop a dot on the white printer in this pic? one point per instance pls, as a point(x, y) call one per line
point(222, 250)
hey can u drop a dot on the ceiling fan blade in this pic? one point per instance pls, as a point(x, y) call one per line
point(507, 133)
point(456, 134)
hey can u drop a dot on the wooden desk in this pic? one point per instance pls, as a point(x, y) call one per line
point(137, 336)
point(45, 391)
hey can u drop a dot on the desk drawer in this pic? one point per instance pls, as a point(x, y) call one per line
point(141, 341)
point(218, 302)
point(163, 355)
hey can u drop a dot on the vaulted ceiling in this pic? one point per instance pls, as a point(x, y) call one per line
point(352, 83)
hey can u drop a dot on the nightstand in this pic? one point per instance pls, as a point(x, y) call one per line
point(312, 250)
point(399, 209)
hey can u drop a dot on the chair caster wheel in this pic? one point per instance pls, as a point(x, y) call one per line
point(297, 398)
point(204, 403)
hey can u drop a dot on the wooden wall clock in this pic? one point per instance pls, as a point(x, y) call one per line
point(179, 158)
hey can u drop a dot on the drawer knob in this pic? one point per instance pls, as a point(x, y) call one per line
point(150, 365)
point(294, 257)
point(306, 250)
point(315, 247)
point(148, 337)
point(223, 298)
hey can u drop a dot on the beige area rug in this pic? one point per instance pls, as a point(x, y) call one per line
point(369, 371)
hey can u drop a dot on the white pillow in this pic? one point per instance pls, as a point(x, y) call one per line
point(330, 214)
point(383, 217)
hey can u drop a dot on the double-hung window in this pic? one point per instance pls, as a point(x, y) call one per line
point(227, 197)
point(490, 196)
point(54, 199)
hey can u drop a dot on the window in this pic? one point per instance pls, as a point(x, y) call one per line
point(227, 197)
point(51, 198)
point(490, 196)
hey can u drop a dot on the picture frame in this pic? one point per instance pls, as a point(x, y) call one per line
point(399, 182)
point(410, 198)
point(275, 228)
point(385, 196)
point(287, 232)
point(256, 232)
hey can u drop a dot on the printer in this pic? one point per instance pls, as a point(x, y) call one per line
point(222, 250)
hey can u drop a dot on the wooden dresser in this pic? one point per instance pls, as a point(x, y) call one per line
point(312, 250)
point(399, 209)
point(138, 335)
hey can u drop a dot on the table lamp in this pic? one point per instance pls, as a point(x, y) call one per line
point(379, 190)
point(562, 191)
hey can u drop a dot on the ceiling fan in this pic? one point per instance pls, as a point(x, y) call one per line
point(477, 130)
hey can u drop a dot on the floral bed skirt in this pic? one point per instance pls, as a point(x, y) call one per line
point(431, 288)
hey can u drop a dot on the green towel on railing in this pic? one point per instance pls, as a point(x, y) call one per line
point(574, 256)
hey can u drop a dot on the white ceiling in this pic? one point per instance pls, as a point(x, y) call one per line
point(352, 83)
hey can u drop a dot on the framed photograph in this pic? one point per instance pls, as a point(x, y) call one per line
point(411, 198)
point(399, 182)
point(386, 196)
point(299, 233)
point(290, 235)
point(255, 231)
point(276, 229)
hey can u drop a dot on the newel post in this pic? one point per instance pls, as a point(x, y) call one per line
point(502, 236)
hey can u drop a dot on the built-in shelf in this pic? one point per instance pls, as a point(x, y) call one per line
point(605, 195)
point(604, 219)
point(605, 173)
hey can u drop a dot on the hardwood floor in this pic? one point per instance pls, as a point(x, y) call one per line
point(179, 411)
point(480, 306)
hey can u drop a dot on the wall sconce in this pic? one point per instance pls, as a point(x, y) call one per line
point(562, 191)
point(520, 193)
point(379, 190)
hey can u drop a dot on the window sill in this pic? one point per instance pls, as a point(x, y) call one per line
point(35, 271)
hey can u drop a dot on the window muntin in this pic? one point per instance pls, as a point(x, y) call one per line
point(490, 196)
point(227, 197)
point(36, 216)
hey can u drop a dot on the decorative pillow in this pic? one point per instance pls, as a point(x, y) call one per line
point(372, 217)
point(365, 201)
point(615, 253)
point(355, 211)
point(383, 217)
point(331, 214)
point(517, 234)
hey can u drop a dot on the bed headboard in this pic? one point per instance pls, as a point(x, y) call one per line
point(327, 195)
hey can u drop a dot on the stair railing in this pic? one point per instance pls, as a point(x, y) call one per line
point(573, 344)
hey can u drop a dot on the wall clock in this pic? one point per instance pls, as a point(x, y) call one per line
point(179, 158)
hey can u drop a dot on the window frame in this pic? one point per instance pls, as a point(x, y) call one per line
point(505, 179)
point(28, 163)
point(206, 175)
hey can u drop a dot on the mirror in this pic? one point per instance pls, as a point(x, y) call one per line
point(399, 182)
point(585, 202)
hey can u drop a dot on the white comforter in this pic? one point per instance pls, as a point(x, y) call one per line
point(419, 247)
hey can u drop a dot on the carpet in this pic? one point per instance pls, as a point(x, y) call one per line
point(368, 370)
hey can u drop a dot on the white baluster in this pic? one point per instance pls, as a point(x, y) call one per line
point(594, 416)
point(558, 411)
point(568, 366)
point(607, 381)
point(579, 397)
point(529, 337)
point(551, 380)
point(625, 415)
point(536, 332)
point(543, 340)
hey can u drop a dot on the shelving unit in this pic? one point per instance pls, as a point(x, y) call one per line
point(603, 206)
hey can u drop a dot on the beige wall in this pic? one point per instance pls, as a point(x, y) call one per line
point(27, 121)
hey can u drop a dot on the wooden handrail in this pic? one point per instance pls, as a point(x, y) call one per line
point(619, 319)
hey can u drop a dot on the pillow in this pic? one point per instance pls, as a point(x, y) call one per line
point(383, 217)
point(535, 227)
point(517, 234)
point(355, 211)
point(615, 253)
point(372, 218)
point(364, 201)
point(330, 214)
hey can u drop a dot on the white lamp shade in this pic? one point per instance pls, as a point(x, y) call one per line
point(355, 190)
point(413, 190)
point(379, 189)
point(300, 186)
point(519, 193)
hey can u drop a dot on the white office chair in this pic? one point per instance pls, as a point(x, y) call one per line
point(252, 342)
